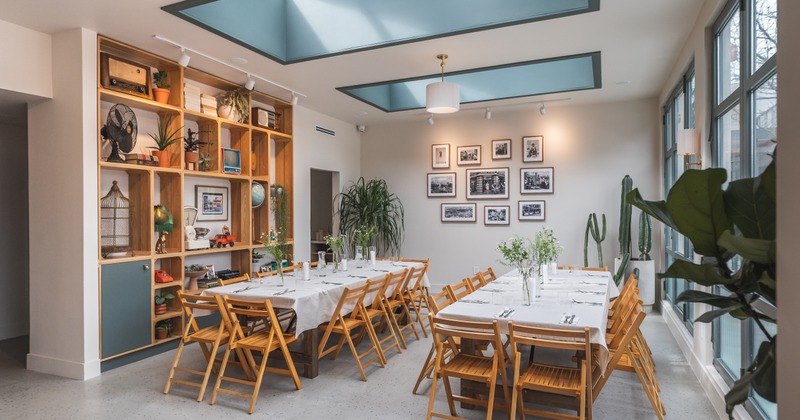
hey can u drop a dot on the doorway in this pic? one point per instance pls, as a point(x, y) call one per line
point(324, 186)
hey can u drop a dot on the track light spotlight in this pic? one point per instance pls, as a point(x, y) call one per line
point(430, 120)
point(487, 114)
point(542, 110)
point(184, 60)
point(295, 98)
point(251, 84)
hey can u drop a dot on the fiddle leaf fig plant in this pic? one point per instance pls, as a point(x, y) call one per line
point(735, 229)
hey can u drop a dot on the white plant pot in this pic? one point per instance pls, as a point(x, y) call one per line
point(647, 278)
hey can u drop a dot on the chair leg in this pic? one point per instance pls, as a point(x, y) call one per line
point(396, 326)
point(290, 364)
point(492, 386)
point(346, 335)
point(174, 365)
point(257, 385)
point(207, 375)
point(221, 375)
point(432, 398)
point(449, 393)
point(426, 369)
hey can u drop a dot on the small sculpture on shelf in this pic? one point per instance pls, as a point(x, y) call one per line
point(223, 239)
point(163, 224)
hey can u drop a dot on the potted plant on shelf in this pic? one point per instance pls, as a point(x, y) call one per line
point(164, 329)
point(234, 104)
point(161, 91)
point(191, 145)
point(161, 301)
point(370, 203)
point(164, 139)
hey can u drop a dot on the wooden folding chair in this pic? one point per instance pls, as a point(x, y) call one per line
point(378, 316)
point(263, 341)
point(561, 380)
point(459, 290)
point(436, 303)
point(349, 315)
point(243, 277)
point(395, 302)
point(213, 336)
point(415, 295)
point(488, 276)
point(476, 281)
point(467, 366)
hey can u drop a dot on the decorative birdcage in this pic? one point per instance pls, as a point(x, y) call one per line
point(115, 224)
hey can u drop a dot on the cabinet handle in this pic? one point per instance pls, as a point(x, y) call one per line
point(145, 267)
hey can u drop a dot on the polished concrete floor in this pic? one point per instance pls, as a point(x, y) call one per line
point(135, 391)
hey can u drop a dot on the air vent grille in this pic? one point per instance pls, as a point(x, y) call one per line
point(326, 131)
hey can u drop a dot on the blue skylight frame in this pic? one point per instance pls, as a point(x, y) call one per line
point(292, 31)
point(528, 78)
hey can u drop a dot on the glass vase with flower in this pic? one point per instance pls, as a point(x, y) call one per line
point(521, 253)
point(279, 251)
point(336, 245)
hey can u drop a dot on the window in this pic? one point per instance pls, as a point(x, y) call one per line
point(744, 136)
point(678, 115)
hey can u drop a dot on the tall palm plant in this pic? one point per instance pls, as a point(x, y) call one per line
point(369, 203)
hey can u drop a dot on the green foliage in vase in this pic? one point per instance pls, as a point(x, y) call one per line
point(363, 236)
point(735, 229)
point(547, 246)
point(371, 204)
point(519, 252)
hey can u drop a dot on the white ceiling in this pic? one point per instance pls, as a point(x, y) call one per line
point(639, 41)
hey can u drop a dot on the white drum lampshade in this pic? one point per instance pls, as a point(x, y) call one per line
point(688, 142)
point(442, 98)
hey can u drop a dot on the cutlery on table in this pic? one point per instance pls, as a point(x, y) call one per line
point(511, 312)
point(358, 277)
point(380, 271)
point(582, 302)
point(479, 301)
point(283, 292)
point(331, 282)
point(504, 312)
point(591, 292)
point(243, 290)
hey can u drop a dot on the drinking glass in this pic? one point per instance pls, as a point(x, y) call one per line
point(320, 260)
point(373, 253)
point(359, 252)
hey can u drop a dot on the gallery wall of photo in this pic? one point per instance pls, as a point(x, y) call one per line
point(484, 177)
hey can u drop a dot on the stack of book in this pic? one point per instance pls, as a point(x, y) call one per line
point(191, 97)
point(141, 159)
point(209, 104)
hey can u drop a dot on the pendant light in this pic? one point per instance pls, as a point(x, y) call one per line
point(442, 97)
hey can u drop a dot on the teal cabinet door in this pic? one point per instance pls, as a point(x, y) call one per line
point(125, 307)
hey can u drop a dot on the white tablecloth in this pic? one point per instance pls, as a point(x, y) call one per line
point(566, 293)
point(313, 300)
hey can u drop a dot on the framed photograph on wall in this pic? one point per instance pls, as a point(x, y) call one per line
point(501, 149)
point(496, 215)
point(533, 149)
point(531, 210)
point(487, 183)
point(440, 156)
point(442, 184)
point(536, 180)
point(211, 202)
point(459, 212)
point(468, 155)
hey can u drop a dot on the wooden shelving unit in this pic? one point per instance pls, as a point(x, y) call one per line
point(266, 157)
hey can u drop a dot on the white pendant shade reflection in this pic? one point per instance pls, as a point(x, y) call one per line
point(442, 98)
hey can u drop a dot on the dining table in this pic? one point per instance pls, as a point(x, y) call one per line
point(313, 300)
point(567, 299)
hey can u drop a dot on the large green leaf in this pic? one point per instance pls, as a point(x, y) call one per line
point(755, 250)
point(739, 393)
point(656, 209)
point(697, 208)
point(767, 181)
point(716, 313)
point(702, 274)
point(707, 298)
point(764, 372)
point(750, 208)
point(766, 287)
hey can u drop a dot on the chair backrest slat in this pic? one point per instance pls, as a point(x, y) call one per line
point(243, 277)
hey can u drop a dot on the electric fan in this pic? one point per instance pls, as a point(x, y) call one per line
point(120, 131)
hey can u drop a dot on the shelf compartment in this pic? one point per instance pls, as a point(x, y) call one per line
point(175, 283)
point(171, 196)
point(240, 207)
point(174, 267)
point(259, 156)
point(137, 102)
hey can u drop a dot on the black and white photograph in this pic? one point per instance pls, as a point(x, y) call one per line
point(501, 149)
point(468, 155)
point(440, 156)
point(487, 183)
point(212, 202)
point(536, 180)
point(461, 212)
point(496, 215)
point(531, 210)
point(442, 184)
point(533, 149)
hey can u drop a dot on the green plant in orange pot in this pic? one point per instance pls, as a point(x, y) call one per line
point(164, 139)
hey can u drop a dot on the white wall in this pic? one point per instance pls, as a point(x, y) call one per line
point(14, 225)
point(314, 150)
point(590, 147)
point(27, 60)
point(64, 330)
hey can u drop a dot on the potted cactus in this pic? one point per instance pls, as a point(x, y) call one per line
point(626, 264)
point(161, 91)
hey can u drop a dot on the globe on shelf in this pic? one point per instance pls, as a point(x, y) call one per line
point(258, 194)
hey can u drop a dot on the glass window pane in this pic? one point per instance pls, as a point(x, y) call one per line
point(768, 409)
point(728, 52)
point(669, 133)
point(728, 143)
point(765, 122)
point(677, 106)
point(729, 350)
point(765, 31)
point(690, 111)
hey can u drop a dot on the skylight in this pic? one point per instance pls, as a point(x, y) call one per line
point(290, 31)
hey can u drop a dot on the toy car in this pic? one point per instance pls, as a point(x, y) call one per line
point(222, 240)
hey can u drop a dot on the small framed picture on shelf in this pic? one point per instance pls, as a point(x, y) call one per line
point(531, 210)
point(468, 155)
point(459, 212)
point(212, 202)
point(496, 215)
point(487, 183)
point(442, 184)
point(533, 149)
point(440, 156)
point(501, 149)
point(536, 180)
